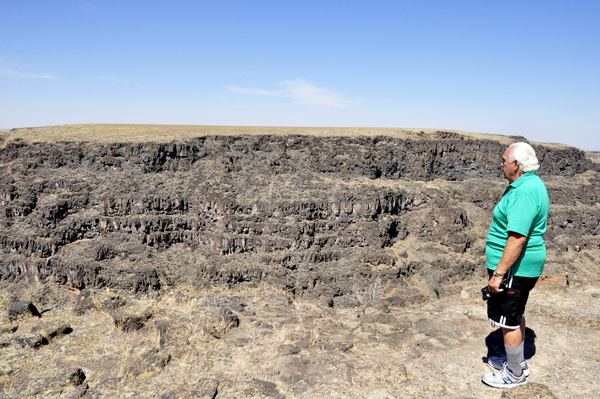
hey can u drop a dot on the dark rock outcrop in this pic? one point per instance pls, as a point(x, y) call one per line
point(153, 360)
point(130, 319)
point(33, 341)
point(74, 377)
point(52, 330)
point(22, 309)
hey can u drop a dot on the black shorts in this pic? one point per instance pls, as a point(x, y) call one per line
point(506, 308)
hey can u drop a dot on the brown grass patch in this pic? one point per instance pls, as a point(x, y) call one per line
point(110, 133)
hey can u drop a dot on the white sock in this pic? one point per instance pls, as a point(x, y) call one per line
point(522, 356)
point(513, 354)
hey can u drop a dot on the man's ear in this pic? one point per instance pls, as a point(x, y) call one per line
point(516, 163)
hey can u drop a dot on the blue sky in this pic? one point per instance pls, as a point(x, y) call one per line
point(528, 68)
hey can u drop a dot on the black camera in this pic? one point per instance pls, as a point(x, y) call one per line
point(485, 291)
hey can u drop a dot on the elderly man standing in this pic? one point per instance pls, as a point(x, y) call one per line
point(515, 253)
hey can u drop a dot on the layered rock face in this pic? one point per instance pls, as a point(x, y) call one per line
point(318, 215)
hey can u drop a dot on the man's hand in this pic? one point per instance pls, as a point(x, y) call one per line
point(494, 284)
point(512, 250)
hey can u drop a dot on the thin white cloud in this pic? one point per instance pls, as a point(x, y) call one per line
point(21, 75)
point(119, 80)
point(302, 92)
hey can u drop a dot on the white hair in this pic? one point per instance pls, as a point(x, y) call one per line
point(525, 155)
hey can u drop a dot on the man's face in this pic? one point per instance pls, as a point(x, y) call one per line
point(510, 169)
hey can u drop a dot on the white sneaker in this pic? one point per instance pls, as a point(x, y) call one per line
point(503, 379)
point(498, 362)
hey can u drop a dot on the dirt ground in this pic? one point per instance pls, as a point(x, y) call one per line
point(282, 346)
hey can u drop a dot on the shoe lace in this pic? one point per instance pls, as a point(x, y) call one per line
point(504, 361)
point(504, 373)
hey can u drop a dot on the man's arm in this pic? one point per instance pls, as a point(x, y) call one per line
point(512, 250)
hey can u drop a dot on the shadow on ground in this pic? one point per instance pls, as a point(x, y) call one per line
point(495, 344)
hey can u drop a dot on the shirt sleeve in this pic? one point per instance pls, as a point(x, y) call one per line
point(521, 212)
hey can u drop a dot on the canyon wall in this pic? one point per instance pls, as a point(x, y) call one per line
point(317, 215)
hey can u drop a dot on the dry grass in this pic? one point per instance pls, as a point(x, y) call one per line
point(406, 352)
point(110, 133)
point(370, 294)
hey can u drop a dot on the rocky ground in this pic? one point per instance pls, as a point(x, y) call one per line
point(186, 261)
point(263, 342)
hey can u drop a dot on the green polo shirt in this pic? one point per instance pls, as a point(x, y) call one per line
point(523, 209)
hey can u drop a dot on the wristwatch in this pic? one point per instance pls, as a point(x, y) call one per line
point(498, 274)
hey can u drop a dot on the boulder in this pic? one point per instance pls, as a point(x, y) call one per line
point(75, 393)
point(285, 350)
point(83, 305)
point(153, 360)
point(52, 329)
point(21, 310)
point(130, 319)
point(74, 377)
point(8, 328)
point(266, 388)
point(33, 341)
point(219, 321)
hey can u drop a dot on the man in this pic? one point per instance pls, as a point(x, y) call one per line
point(515, 254)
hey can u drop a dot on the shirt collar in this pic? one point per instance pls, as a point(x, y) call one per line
point(520, 180)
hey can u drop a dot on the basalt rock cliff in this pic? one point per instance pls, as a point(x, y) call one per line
point(318, 214)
